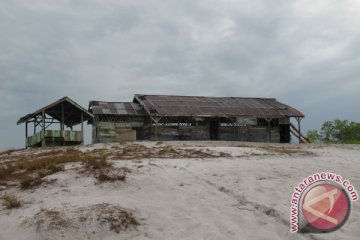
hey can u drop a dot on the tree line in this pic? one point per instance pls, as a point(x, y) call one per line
point(336, 131)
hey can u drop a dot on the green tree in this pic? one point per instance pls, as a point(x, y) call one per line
point(314, 136)
point(352, 133)
point(340, 131)
point(336, 131)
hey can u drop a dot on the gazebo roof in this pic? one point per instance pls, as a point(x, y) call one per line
point(72, 112)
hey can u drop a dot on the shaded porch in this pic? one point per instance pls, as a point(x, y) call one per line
point(66, 114)
point(55, 138)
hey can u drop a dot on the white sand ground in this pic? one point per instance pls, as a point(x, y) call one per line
point(245, 196)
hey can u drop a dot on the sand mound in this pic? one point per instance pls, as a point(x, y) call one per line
point(165, 190)
point(81, 222)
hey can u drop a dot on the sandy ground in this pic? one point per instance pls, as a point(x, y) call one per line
point(242, 196)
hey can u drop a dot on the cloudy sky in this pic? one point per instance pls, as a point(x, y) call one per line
point(304, 53)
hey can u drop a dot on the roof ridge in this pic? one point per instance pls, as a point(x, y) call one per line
point(169, 95)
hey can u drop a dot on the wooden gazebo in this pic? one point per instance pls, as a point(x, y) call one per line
point(64, 112)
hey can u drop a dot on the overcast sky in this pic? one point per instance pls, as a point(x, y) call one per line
point(304, 53)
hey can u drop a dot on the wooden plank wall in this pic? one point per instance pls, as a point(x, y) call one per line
point(177, 133)
point(109, 131)
point(135, 129)
point(248, 133)
point(251, 133)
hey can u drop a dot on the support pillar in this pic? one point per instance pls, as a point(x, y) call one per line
point(298, 119)
point(234, 133)
point(82, 128)
point(26, 134)
point(156, 120)
point(35, 122)
point(269, 128)
point(62, 124)
point(156, 130)
point(43, 129)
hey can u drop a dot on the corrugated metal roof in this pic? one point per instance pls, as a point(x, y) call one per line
point(71, 108)
point(166, 105)
point(116, 108)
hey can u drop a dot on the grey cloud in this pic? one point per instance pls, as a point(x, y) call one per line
point(305, 53)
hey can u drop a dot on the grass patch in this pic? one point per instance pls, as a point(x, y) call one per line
point(94, 163)
point(286, 150)
point(8, 152)
point(119, 219)
point(49, 162)
point(54, 219)
point(44, 162)
point(11, 201)
point(30, 182)
point(51, 159)
point(50, 169)
point(109, 177)
point(143, 152)
point(5, 172)
point(104, 215)
point(122, 222)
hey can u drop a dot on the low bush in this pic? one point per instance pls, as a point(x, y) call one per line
point(30, 182)
point(97, 162)
point(11, 201)
point(109, 177)
point(50, 169)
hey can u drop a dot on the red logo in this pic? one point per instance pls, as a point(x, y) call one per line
point(325, 207)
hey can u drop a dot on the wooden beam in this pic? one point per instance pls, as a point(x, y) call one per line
point(82, 128)
point(62, 124)
point(156, 120)
point(35, 124)
point(298, 119)
point(234, 130)
point(269, 128)
point(62, 118)
point(43, 129)
point(26, 134)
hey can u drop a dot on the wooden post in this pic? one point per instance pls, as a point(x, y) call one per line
point(82, 128)
point(35, 122)
point(156, 120)
point(298, 119)
point(269, 129)
point(193, 133)
point(43, 129)
point(156, 129)
point(234, 133)
point(62, 118)
point(62, 124)
point(26, 134)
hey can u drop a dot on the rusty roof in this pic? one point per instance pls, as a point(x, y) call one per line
point(71, 108)
point(116, 108)
point(168, 105)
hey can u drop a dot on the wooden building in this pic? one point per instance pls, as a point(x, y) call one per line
point(64, 112)
point(164, 117)
point(116, 121)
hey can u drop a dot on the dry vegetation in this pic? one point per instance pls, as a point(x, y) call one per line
point(28, 168)
point(138, 152)
point(52, 218)
point(11, 201)
point(115, 218)
point(293, 150)
point(111, 176)
point(118, 218)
